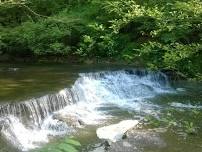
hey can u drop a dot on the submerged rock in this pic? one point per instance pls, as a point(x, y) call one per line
point(182, 105)
point(70, 120)
point(116, 132)
point(137, 141)
point(181, 89)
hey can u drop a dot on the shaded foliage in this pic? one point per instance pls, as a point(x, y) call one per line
point(157, 34)
point(66, 145)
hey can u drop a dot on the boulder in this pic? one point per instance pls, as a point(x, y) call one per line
point(136, 141)
point(116, 132)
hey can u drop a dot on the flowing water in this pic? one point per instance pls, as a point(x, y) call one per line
point(40, 104)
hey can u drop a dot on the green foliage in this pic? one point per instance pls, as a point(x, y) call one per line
point(169, 36)
point(190, 128)
point(177, 121)
point(171, 56)
point(156, 33)
point(99, 42)
point(40, 38)
point(67, 145)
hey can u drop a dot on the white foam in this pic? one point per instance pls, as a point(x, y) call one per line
point(118, 88)
point(19, 135)
point(55, 127)
point(29, 138)
point(182, 105)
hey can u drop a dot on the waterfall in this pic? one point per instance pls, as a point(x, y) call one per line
point(26, 124)
point(37, 109)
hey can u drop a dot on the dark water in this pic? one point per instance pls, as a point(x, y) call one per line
point(20, 82)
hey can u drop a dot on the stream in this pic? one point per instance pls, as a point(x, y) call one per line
point(41, 104)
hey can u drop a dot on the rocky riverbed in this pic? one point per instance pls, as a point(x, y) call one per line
point(133, 140)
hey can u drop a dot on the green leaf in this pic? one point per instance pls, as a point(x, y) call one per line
point(72, 142)
point(48, 149)
point(67, 148)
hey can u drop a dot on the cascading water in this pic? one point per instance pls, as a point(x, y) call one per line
point(29, 123)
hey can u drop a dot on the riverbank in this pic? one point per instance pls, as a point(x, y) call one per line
point(72, 60)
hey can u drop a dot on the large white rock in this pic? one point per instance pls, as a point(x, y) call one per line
point(115, 132)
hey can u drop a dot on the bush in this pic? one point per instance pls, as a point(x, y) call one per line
point(168, 36)
point(159, 34)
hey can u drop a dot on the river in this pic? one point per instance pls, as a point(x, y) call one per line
point(41, 104)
